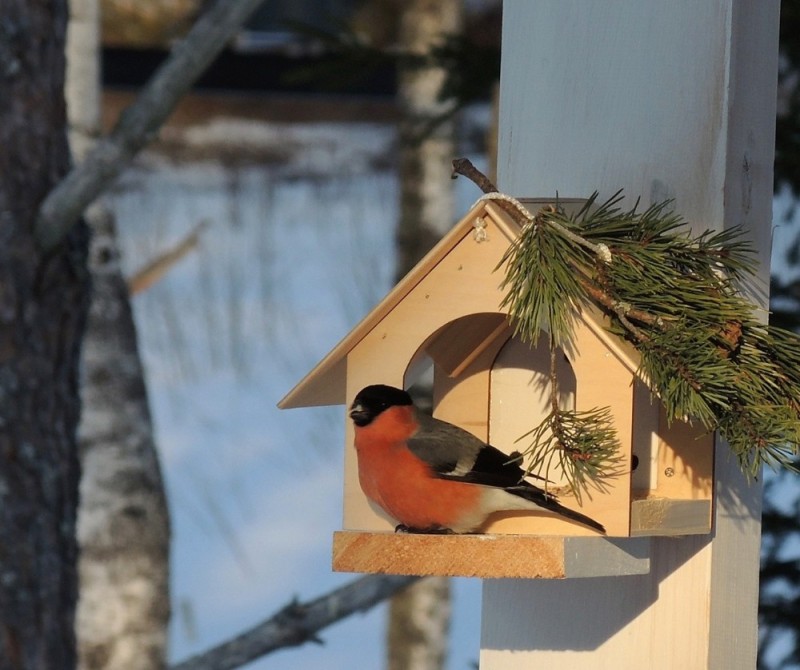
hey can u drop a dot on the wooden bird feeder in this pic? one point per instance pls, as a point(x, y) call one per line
point(446, 314)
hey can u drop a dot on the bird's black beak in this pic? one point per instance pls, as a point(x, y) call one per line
point(359, 414)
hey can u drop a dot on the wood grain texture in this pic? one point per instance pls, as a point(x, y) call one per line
point(486, 556)
point(658, 516)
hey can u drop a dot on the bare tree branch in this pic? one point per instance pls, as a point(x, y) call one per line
point(138, 123)
point(153, 271)
point(298, 623)
point(464, 166)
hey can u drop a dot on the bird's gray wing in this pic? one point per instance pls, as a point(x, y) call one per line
point(456, 454)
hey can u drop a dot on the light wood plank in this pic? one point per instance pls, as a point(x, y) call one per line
point(659, 516)
point(487, 556)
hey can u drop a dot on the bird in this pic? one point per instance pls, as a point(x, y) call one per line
point(432, 476)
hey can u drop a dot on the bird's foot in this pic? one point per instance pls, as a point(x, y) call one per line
point(434, 530)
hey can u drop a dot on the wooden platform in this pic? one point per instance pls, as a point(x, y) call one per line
point(489, 556)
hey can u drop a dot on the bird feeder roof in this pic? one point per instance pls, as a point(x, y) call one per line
point(453, 345)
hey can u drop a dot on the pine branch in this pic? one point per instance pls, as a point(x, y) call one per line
point(678, 299)
point(465, 167)
point(582, 445)
point(298, 623)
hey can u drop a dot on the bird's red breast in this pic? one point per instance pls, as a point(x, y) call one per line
point(402, 484)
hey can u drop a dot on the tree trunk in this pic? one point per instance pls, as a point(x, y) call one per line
point(43, 303)
point(427, 200)
point(123, 522)
point(123, 527)
point(419, 625)
point(82, 88)
point(419, 618)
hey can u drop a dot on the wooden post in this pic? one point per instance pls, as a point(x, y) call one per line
point(666, 100)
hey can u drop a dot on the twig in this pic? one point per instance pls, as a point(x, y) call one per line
point(620, 309)
point(554, 405)
point(463, 166)
point(145, 277)
point(139, 123)
point(298, 623)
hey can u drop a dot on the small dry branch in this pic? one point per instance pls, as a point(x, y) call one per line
point(151, 273)
point(298, 623)
point(465, 168)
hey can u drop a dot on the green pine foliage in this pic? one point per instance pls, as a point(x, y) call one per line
point(583, 446)
point(542, 284)
point(680, 299)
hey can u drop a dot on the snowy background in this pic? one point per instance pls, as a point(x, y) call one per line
point(298, 246)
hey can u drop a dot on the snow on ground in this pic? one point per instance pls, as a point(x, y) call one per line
point(295, 252)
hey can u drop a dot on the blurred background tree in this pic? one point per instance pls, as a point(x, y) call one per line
point(123, 532)
point(44, 302)
point(779, 606)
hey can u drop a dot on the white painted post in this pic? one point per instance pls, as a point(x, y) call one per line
point(666, 100)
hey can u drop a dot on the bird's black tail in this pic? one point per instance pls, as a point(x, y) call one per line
point(549, 502)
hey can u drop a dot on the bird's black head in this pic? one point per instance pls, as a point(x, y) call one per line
point(372, 400)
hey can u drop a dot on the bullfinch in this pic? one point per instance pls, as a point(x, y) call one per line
point(434, 477)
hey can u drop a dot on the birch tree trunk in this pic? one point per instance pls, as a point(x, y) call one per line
point(43, 299)
point(82, 86)
point(419, 626)
point(427, 200)
point(123, 523)
point(419, 618)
